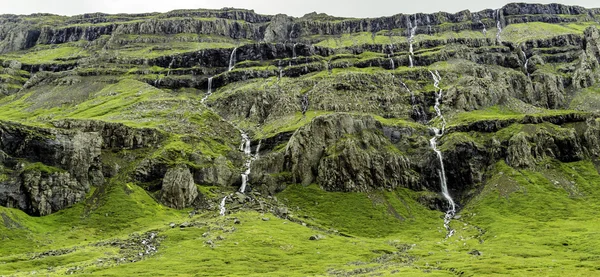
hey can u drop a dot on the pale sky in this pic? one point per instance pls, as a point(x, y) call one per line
point(343, 8)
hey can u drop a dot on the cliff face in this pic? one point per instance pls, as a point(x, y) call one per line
point(160, 101)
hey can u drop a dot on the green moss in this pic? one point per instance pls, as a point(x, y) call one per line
point(40, 167)
point(356, 213)
point(49, 54)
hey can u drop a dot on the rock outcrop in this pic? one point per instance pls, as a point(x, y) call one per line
point(178, 188)
point(50, 169)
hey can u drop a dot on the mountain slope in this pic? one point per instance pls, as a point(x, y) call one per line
point(122, 137)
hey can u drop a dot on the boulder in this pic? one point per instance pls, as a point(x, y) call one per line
point(178, 188)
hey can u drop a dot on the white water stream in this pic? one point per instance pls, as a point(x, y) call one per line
point(232, 59)
point(208, 91)
point(411, 38)
point(498, 25)
point(525, 63)
point(433, 143)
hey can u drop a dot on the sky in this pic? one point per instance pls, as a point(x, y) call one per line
point(342, 8)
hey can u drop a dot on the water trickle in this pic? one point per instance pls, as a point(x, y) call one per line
point(170, 65)
point(250, 158)
point(304, 103)
point(498, 25)
point(208, 91)
point(411, 38)
point(484, 29)
point(222, 209)
point(232, 59)
point(438, 133)
point(294, 51)
point(429, 25)
point(417, 110)
point(525, 63)
point(392, 65)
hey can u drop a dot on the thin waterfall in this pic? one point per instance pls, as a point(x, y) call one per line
point(392, 65)
point(484, 29)
point(525, 63)
point(498, 25)
point(232, 59)
point(438, 133)
point(257, 149)
point(222, 208)
point(411, 38)
point(248, 152)
point(305, 103)
point(294, 51)
point(170, 65)
point(429, 31)
point(418, 111)
point(208, 91)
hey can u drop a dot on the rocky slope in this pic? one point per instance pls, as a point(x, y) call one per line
point(343, 103)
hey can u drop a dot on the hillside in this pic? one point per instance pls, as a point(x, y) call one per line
point(229, 143)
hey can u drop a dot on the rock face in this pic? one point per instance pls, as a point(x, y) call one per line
point(345, 153)
point(336, 102)
point(50, 169)
point(115, 135)
point(178, 188)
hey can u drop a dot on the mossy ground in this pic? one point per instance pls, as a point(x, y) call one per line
point(524, 223)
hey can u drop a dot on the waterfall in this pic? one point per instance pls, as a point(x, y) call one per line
point(232, 59)
point(294, 51)
point(170, 65)
point(248, 152)
point(413, 101)
point(429, 25)
point(484, 29)
point(257, 149)
point(304, 103)
point(438, 133)
point(526, 63)
point(209, 91)
point(411, 38)
point(498, 25)
point(222, 206)
point(280, 73)
point(392, 64)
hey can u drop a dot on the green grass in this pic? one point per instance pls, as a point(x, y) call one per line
point(526, 223)
point(518, 33)
point(55, 54)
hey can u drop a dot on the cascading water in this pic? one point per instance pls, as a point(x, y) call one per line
point(392, 65)
point(498, 25)
point(525, 63)
point(170, 66)
point(222, 209)
point(429, 25)
point(248, 152)
point(304, 103)
point(411, 38)
point(418, 111)
point(294, 51)
point(208, 91)
point(484, 29)
point(438, 133)
point(232, 59)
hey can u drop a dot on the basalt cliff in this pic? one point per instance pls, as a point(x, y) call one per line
point(236, 112)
